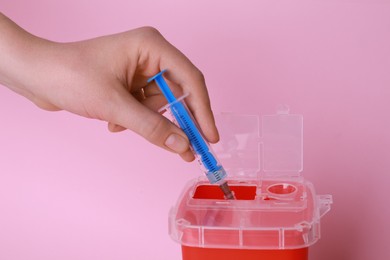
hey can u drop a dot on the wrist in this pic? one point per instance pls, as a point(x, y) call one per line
point(19, 51)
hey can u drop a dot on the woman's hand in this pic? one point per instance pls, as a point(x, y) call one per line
point(106, 78)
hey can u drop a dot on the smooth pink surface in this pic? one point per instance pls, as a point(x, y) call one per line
point(69, 189)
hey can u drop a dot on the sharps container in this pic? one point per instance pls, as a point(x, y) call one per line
point(276, 213)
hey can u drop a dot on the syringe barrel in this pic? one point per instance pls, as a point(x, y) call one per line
point(184, 119)
point(202, 150)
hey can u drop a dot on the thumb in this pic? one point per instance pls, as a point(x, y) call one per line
point(131, 114)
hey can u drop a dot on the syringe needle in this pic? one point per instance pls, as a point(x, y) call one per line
point(229, 195)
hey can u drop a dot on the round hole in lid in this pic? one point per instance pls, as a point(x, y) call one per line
point(282, 189)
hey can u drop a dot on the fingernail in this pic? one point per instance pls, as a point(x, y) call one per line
point(177, 143)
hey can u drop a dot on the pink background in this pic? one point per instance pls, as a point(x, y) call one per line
point(69, 189)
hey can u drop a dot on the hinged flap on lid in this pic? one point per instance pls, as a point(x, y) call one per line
point(238, 148)
point(281, 145)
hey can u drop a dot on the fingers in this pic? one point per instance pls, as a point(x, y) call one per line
point(152, 99)
point(154, 103)
point(151, 95)
point(186, 75)
point(127, 112)
point(115, 128)
point(137, 111)
point(151, 89)
point(45, 105)
point(187, 156)
point(156, 54)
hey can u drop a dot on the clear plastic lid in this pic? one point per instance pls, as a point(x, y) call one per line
point(252, 149)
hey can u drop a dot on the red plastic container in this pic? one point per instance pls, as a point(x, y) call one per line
point(276, 214)
point(196, 253)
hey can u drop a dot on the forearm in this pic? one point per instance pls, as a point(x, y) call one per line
point(19, 52)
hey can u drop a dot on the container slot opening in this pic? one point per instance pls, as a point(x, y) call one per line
point(215, 193)
point(282, 189)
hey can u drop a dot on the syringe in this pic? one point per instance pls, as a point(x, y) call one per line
point(214, 171)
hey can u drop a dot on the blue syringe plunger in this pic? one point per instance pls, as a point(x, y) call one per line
point(162, 84)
